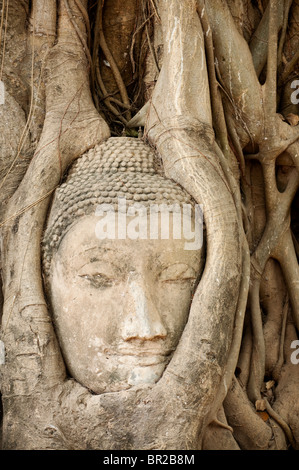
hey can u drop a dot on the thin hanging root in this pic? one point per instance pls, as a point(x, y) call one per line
point(222, 425)
point(235, 141)
point(278, 366)
point(257, 369)
point(2, 20)
point(110, 97)
point(152, 49)
point(5, 35)
point(260, 5)
point(115, 71)
point(281, 423)
point(86, 19)
point(271, 81)
point(133, 41)
point(105, 97)
point(217, 105)
point(99, 40)
point(24, 5)
point(95, 57)
point(79, 34)
point(284, 30)
point(155, 10)
point(116, 101)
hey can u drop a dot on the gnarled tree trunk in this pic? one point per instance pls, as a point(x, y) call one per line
point(214, 97)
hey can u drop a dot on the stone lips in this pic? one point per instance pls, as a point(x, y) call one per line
point(120, 167)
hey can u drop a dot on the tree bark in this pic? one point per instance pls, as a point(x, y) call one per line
point(218, 97)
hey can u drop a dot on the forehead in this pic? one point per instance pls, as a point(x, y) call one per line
point(80, 243)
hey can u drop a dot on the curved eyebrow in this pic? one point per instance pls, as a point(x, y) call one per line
point(98, 248)
point(100, 261)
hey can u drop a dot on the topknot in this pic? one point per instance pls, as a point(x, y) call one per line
point(120, 167)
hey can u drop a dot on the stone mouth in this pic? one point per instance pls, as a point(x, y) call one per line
point(140, 357)
point(145, 352)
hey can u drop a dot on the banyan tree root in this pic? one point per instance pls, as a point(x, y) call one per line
point(180, 423)
point(71, 126)
point(198, 399)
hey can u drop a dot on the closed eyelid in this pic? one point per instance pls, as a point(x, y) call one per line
point(97, 267)
point(98, 280)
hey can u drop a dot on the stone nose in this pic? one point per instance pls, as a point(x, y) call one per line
point(143, 321)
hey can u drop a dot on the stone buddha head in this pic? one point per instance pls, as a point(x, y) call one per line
point(120, 297)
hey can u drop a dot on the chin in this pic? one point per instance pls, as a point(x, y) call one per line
point(146, 375)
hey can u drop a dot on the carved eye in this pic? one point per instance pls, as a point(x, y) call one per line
point(178, 273)
point(98, 280)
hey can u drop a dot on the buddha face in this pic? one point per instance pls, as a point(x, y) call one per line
point(120, 306)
